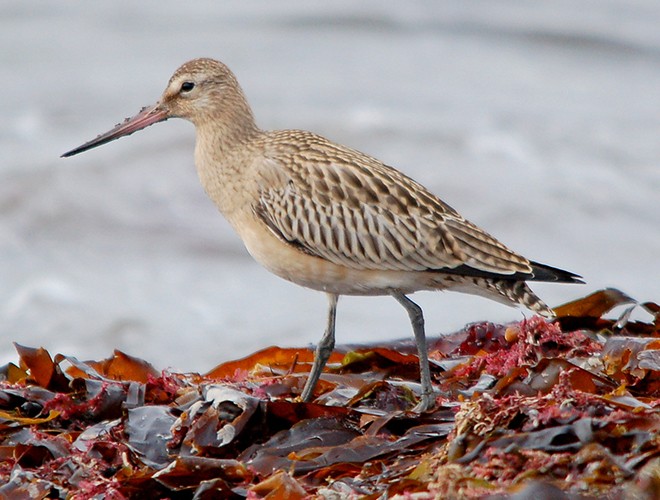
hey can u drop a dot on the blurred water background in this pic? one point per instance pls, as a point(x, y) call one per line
point(538, 121)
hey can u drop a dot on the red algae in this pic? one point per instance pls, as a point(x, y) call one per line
point(70, 406)
point(536, 338)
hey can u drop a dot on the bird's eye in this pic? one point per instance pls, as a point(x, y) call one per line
point(187, 86)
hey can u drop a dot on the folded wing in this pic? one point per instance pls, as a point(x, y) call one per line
point(352, 210)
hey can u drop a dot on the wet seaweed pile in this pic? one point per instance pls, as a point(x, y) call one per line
point(569, 408)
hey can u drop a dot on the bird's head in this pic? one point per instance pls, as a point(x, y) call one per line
point(201, 91)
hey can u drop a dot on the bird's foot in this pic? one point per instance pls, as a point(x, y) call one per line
point(426, 403)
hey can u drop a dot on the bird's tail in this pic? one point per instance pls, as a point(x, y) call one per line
point(508, 292)
point(519, 292)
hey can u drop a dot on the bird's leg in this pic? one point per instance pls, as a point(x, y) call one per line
point(417, 319)
point(323, 350)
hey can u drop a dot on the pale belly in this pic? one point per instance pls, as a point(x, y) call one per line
point(309, 271)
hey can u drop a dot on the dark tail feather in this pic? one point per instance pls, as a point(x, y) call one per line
point(541, 272)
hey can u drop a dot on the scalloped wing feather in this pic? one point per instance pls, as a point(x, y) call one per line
point(349, 208)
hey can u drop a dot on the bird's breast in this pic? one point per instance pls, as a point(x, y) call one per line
point(224, 181)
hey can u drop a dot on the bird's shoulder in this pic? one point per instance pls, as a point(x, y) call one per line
point(329, 173)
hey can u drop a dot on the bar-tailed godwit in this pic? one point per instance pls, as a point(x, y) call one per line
point(331, 218)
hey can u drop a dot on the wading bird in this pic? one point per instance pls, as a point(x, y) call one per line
point(331, 218)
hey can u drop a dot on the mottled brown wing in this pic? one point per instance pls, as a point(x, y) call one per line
point(352, 210)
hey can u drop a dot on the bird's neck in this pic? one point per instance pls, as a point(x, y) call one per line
point(230, 126)
point(223, 158)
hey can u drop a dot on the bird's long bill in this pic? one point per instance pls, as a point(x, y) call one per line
point(147, 116)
